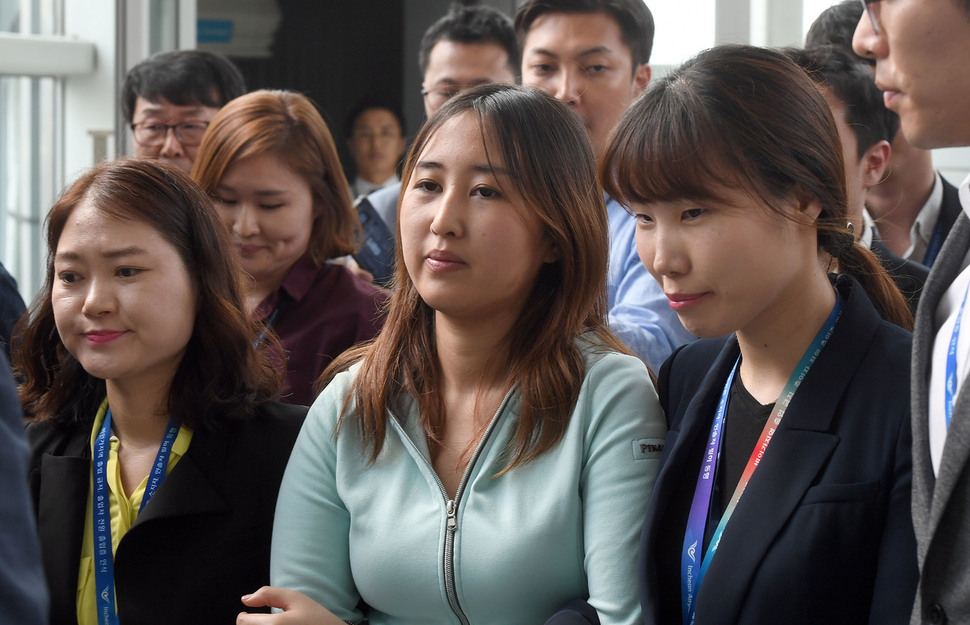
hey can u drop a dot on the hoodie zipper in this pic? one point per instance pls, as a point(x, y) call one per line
point(451, 507)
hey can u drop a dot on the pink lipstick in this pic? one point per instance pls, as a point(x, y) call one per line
point(102, 337)
point(442, 261)
point(681, 301)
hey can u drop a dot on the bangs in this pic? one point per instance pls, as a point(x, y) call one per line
point(666, 148)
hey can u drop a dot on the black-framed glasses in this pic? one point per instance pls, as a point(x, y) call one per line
point(872, 10)
point(440, 95)
point(150, 134)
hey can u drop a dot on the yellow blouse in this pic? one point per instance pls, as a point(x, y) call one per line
point(123, 511)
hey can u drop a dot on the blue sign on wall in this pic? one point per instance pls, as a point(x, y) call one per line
point(214, 31)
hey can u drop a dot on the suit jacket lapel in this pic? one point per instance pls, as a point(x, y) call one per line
point(697, 418)
point(191, 487)
point(797, 453)
point(950, 207)
point(693, 425)
point(957, 446)
point(787, 470)
point(927, 502)
point(62, 504)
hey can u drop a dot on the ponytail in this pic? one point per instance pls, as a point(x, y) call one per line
point(855, 260)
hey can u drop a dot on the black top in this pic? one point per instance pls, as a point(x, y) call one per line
point(745, 419)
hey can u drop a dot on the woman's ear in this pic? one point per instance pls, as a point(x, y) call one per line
point(807, 204)
point(553, 253)
point(876, 163)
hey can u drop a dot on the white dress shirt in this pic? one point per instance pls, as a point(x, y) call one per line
point(946, 315)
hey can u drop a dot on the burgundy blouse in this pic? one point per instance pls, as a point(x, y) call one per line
point(317, 313)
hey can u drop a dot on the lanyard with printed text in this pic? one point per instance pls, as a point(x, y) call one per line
point(951, 362)
point(101, 509)
point(691, 575)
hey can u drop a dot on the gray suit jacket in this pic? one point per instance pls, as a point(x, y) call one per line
point(941, 503)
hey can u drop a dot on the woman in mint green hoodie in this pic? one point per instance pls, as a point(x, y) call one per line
point(488, 457)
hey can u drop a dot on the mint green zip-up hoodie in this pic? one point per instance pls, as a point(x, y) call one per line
point(507, 549)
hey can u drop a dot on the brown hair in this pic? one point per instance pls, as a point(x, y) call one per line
point(545, 144)
point(288, 125)
point(742, 115)
point(221, 375)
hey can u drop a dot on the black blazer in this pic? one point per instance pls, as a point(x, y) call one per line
point(823, 533)
point(202, 542)
point(23, 597)
point(908, 275)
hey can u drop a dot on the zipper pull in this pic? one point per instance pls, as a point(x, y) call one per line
point(452, 516)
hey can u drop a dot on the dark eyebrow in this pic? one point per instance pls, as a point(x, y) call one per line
point(483, 169)
point(260, 193)
point(495, 171)
point(451, 82)
point(429, 165)
point(133, 250)
point(584, 53)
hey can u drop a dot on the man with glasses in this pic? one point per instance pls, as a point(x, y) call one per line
point(922, 54)
point(169, 99)
point(469, 46)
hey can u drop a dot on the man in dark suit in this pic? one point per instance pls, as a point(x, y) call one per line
point(867, 130)
point(11, 307)
point(914, 205)
point(23, 592)
point(468, 46)
point(922, 52)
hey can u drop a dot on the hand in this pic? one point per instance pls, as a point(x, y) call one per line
point(359, 271)
point(298, 609)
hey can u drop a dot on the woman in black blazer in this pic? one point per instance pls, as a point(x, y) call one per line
point(156, 455)
point(784, 491)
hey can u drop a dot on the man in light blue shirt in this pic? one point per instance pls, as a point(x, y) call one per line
point(594, 56)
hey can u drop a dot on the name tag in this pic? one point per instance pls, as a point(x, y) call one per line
point(648, 448)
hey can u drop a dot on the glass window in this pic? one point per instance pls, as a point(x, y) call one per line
point(29, 152)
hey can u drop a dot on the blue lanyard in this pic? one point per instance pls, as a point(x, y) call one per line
point(101, 509)
point(936, 242)
point(691, 575)
point(951, 362)
point(281, 303)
